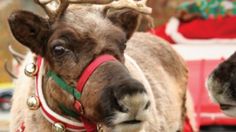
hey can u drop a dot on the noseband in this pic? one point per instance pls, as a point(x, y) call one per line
point(38, 101)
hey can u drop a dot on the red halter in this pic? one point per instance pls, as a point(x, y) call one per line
point(82, 81)
point(53, 117)
point(91, 68)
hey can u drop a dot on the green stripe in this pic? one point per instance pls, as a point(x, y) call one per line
point(68, 112)
point(64, 85)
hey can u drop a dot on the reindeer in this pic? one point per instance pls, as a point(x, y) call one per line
point(221, 85)
point(88, 70)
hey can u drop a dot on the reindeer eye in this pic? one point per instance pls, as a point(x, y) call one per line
point(58, 50)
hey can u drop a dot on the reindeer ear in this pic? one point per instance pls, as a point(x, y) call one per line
point(127, 19)
point(30, 30)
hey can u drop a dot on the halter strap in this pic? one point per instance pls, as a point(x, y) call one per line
point(91, 68)
point(76, 92)
point(64, 85)
point(53, 117)
point(47, 112)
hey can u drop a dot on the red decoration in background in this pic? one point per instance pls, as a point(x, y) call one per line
point(221, 28)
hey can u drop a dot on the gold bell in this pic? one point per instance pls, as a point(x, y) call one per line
point(59, 127)
point(33, 102)
point(31, 70)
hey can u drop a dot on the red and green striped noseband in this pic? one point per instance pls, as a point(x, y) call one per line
point(77, 91)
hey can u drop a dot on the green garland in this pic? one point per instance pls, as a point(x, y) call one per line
point(210, 8)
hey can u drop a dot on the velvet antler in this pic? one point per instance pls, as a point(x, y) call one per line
point(55, 8)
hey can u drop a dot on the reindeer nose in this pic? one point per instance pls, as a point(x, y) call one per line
point(126, 101)
point(131, 97)
point(134, 103)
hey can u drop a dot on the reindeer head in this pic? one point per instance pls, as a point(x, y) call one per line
point(70, 39)
point(222, 85)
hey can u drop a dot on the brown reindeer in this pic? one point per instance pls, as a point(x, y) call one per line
point(142, 87)
point(222, 85)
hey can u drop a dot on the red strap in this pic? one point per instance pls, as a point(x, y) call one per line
point(90, 127)
point(21, 128)
point(77, 106)
point(39, 61)
point(91, 68)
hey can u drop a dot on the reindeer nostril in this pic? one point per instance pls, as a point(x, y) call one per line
point(120, 107)
point(124, 109)
point(147, 105)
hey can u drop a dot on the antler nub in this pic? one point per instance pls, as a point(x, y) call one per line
point(91, 1)
point(54, 8)
point(139, 5)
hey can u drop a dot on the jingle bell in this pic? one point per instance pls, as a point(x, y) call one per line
point(33, 103)
point(31, 70)
point(59, 127)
